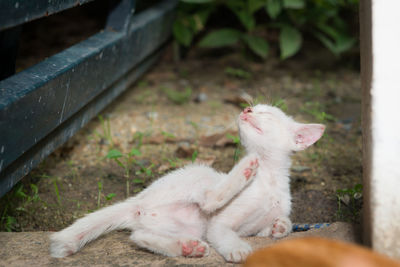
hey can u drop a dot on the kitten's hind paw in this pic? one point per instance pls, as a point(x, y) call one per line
point(194, 248)
point(281, 227)
point(251, 170)
point(60, 248)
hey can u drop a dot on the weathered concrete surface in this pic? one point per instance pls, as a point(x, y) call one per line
point(380, 67)
point(115, 249)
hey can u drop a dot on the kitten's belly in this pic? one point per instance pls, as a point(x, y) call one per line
point(183, 219)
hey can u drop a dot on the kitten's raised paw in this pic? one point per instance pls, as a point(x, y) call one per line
point(251, 171)
point(238, 253)
point(194, 248)
point(281, 227)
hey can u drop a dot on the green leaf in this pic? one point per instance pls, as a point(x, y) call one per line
point(100, 185)
point(19, 192)
point(219, 38)
point(239, 73)
point(293, 4)
point(120, 163)
point(194, 155)
point(34, 188)
point(167, 134)
point(182, 33)
point(10, 223)
point(358, 188)
point(273, 8)
point(246, 18)
point(135, 152)
point(290, 41)
point(235, 139)
point(114, 154)
point(334, 39)
point(178, 97)
point(137, 181)
point(255, 5)
point(257, 44)
point(110, 196)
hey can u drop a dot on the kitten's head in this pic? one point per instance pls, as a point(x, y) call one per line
point(267, 129)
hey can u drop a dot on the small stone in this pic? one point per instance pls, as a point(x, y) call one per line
point(300, 168)
point(201, 97)
point(345, 199)
point(152, 115)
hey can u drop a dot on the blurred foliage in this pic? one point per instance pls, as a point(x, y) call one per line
point(326, 20)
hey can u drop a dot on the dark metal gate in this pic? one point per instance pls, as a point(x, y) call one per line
point(43, 106)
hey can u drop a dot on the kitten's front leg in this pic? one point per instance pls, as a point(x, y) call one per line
point(227, 242)
point(282, 227)
point(230, 185)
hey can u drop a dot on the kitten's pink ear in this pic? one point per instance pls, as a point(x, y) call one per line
point(307, 134)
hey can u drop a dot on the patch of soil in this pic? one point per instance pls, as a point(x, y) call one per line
point(78, 178)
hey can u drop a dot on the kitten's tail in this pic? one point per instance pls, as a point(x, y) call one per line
point(90, 227)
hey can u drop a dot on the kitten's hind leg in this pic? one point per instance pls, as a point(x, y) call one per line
point(230, 184)
point(170, 246)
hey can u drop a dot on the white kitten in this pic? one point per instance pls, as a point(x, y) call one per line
point(179, 211)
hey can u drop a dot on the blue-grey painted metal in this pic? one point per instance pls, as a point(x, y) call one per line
point(36, 102)
point(120, 15)
point(8, 51)
point(17, 12)
point(21, 166)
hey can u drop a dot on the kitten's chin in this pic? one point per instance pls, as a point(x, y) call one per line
point(246, 121)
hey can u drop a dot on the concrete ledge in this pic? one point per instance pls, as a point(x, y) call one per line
point(115, 249)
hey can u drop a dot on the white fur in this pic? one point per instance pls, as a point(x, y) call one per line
point(179, 211)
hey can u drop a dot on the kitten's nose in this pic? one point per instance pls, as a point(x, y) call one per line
point(247, 110)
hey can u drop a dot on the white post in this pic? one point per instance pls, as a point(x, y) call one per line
point(380, 74)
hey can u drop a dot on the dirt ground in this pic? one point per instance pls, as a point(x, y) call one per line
point(78, 178)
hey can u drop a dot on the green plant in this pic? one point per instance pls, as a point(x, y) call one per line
point(167, 134)
point(352, 198)
point(194, 155)
point(56, 189)
point(99, 194)
point(238, 73)
point(124, 161)
point(138, 139)
point(106, 135)
point(280, 103)
point(236, 141)
point(323, 19)
point(100, 188)
point(73, 171)
point(174, 162)
point(110, 196)
point(10, 223)
point(144, 170)
point(317, 110)
point(245, 13)
point(18, 200)
point(178, 97)
point(53, 180)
